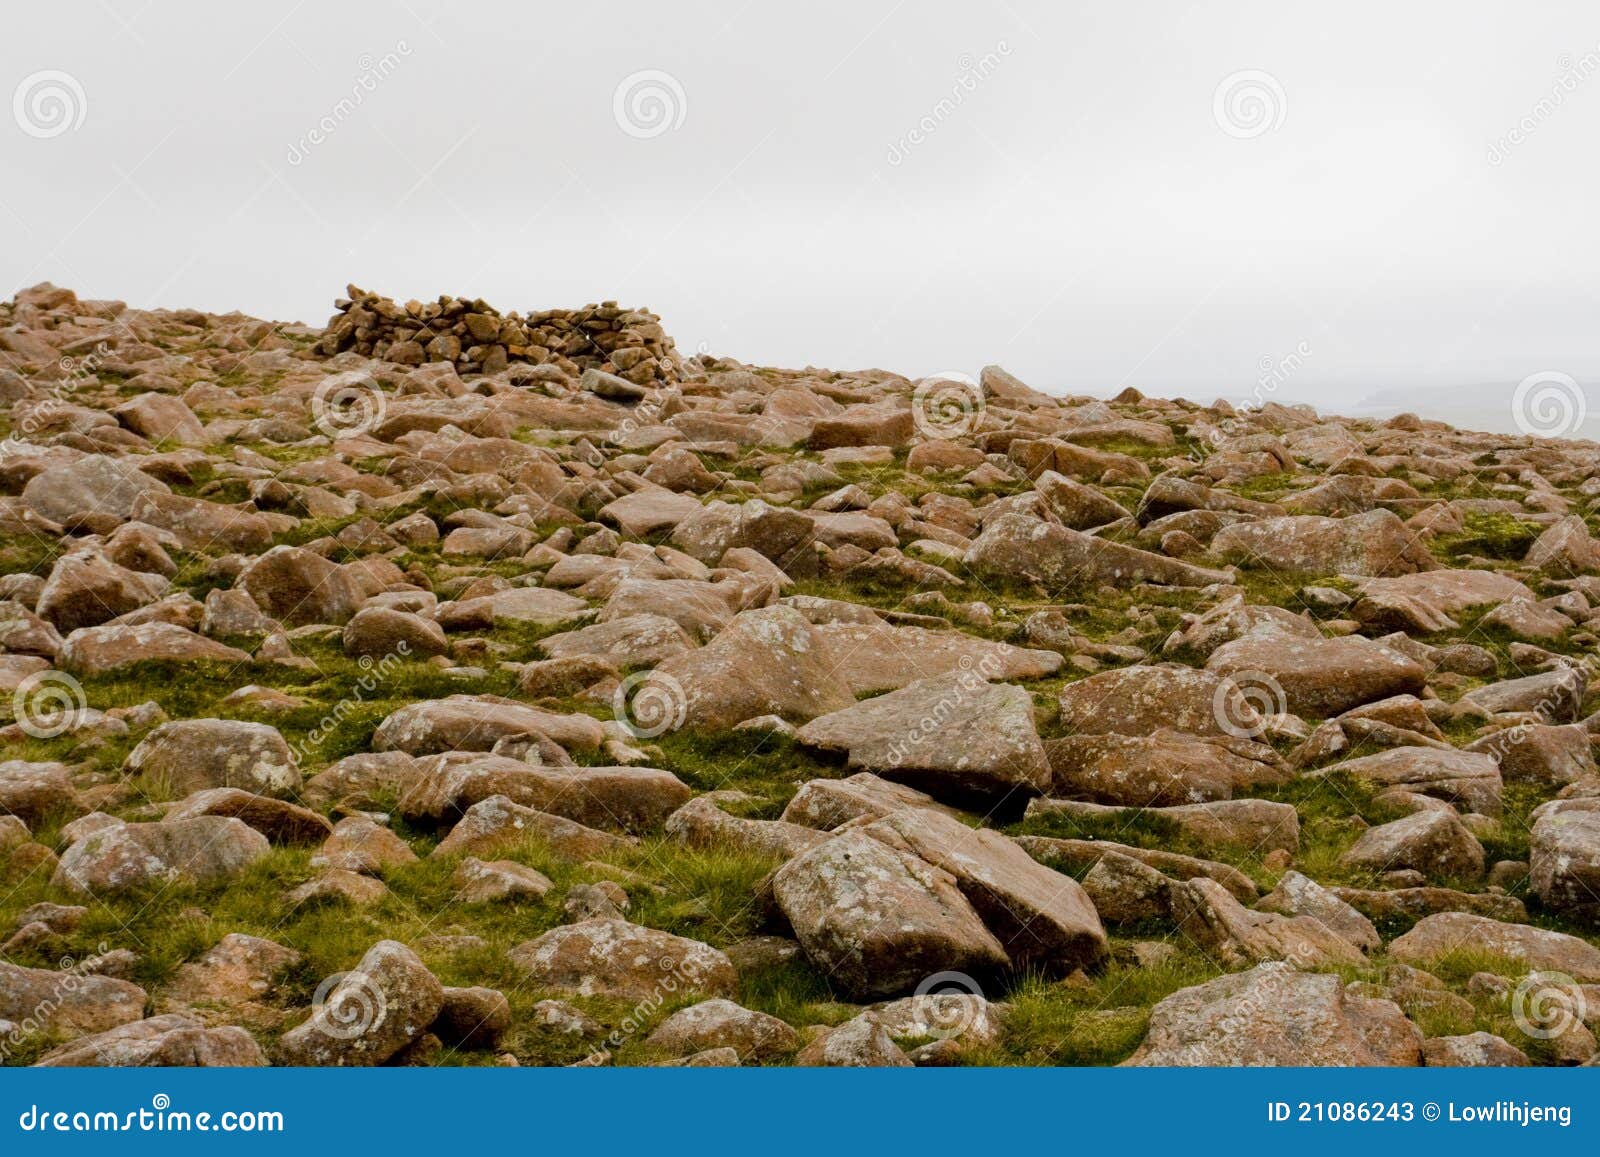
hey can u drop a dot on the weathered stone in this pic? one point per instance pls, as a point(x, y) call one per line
point(370, 1013)
point(1274, 1015)
point(191, 755)
point(127, 856)
point(616, 958)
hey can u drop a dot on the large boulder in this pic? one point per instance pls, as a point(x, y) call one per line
point(1438, 937)
point(1376, 543)
point(86, 589)
point(123, 856)
point(98, 650)
point(39, 1000)
point(189, 755)
point(297, 586)
point(1061, 559)
point(94, 484)
point(31, 791)
point(717, 1023)
point(1317, 678)
point(1144, 699)
point(630, 798)
point(477, 723)
point(872, 656)
point(612, 957)
point(496, 823)
point(1233, 935)
point(1555, 696)
point(701, 823)
point(1424, 602)
point(765, 662)
point(956, 735)
point(826, 804)
point(1565, 858)
point(1432, 841)
point(280, 821)
point(203, 526)
point(377, 632)
point(1159, 770)
point(171, 1040)
point(1043, 918)
point(709, 531)
point(1467, 778)
point(1275, 1015)
point(645, 640)
point(1564, 549)
point(367, 1015)
point(878, 920)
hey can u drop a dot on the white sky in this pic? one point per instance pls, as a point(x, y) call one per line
point(1080, 215)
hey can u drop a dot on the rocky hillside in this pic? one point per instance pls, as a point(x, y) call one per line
point(448, 687)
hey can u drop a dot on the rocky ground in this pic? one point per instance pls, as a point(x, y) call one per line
point(449, 687)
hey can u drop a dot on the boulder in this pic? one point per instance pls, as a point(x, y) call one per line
point(1317, 678)
point(94, 484)
point(878, 920)
point(191, 755)
point(280, 821)
point(826, 804)
point(953, 736)
point(1275, 1015)
point(1434, 842)
point(1564, 862)
point(765, 662)
point(496, 823)
point(86, 589)
point(717, 1023)
point(1234, 935)
point(36, 1000)
point(376, 632)
point(367, 1015)
point(701, 823)
point(1436, 938)
point(1469, 779)
point(172, 1040)
point(1298, 895)
point(1043, 918)
point(125, 856)
point(99, 650)
point(1376, 543)
point(612, 957)
point(477, 723)
point(625, 798)
point(1061, 559)
point(1142, 699)
point(861, 1043)
point(1163, 769)
point(296, 586)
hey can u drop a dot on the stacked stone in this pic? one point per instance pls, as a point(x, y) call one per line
point(477, 338)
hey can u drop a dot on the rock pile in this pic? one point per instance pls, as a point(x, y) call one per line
point(476, 338)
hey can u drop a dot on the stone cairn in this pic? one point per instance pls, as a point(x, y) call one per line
point(477, 338)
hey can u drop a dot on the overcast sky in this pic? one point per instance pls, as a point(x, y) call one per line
point(1364, 197)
